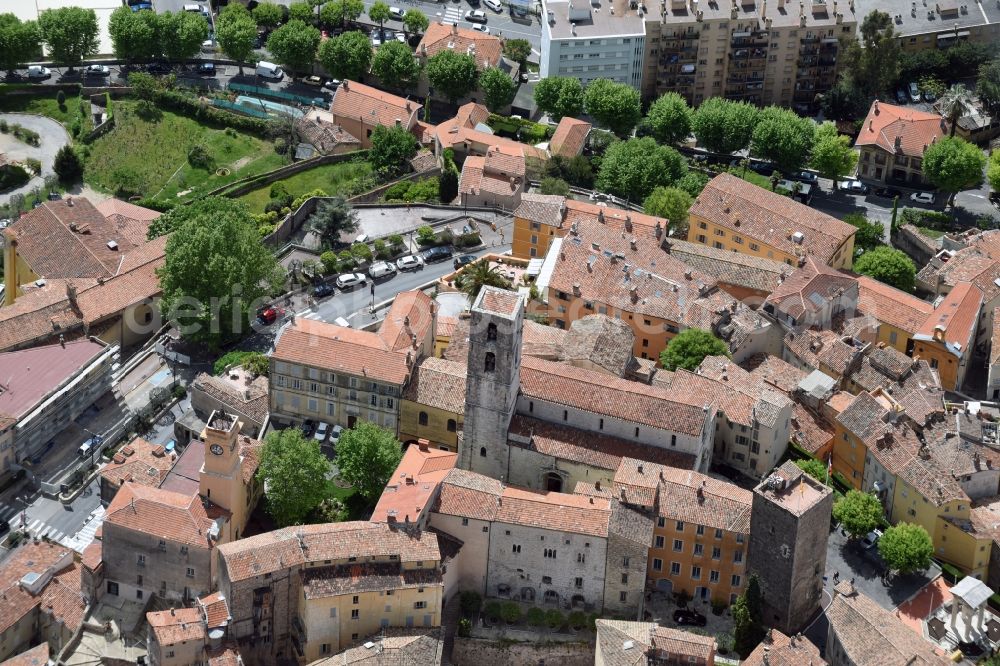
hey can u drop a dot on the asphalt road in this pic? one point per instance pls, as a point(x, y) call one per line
point(51, 518)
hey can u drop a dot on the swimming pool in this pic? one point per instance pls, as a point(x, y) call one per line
point(271, 107)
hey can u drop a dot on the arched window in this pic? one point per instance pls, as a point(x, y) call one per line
point(491, 362)
point(452, 425)
point(491, 331)
point(482, 451)
point(422, 418)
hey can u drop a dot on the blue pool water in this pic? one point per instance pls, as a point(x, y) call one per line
point(270, 106)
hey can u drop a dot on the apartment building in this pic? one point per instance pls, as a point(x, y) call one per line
point(764, 54)
point(938, 25)
point(732, 214)
point(947, 337)
point(194, 635)
point(310, 591)
point(358, 109)
point(325, 372)
point(899, 314)
point(433, 404)
point(814, 296)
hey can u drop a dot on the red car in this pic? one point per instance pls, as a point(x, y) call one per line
point(269, 315)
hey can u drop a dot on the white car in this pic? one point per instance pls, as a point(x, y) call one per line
point(362, 238)
point(410, 262)
point(475, 16)
point(479, 27)
point(96, 70)
point(396, 13)
point(37, 72)
point(854, 186)
point(321, 430)
point(349, 280)
point(495, 5)
point(871, 539)
point(923, 198)
point(335, 434)
point(381, 269)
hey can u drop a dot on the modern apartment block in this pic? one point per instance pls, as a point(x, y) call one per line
point(784, 54)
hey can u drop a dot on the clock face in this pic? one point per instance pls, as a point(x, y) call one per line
point(216, 449)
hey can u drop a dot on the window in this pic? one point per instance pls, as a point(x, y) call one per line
point(680, 525)
point(452, 425)
point(324, 648)
point(422, 418)
point(713, 576)
point(138, 580)
point(678, 545)
point(624, 579)
point(657, 565)
point(546, 580)
point(355, 601)
point(739, 538)
point(718, 534)
point(623, 596)
point(578, 583)
point(698, 550)
point(140, 560)
point(738, 556)
point(659, 541)
point(355, 614)
point(625, 561)
point(675, 568)
point(162, 546)
point(661, 522)
point(736, 580)
point(696, 572)
point(699, 530)
point(112, 588)
point(482, 451)
point(581, 558)
point(190, 572)
point(170, 654)
point(550, 553)
point(754, 247)
point(420, 604)
point(716, 553)
point(490, 364)
point(465, 521)
point(515, 548)
point(491, 331)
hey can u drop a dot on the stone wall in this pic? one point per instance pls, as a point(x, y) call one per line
point(918, 247)
point(478, 652)
point(251, 183)
point(373, 196)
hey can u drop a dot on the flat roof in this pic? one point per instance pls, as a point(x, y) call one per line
point(29, 375)
point(184, 478)
point(592, 19)
point(941, 16)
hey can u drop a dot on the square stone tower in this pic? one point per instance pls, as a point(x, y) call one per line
point(493, 380)
point(789, 527)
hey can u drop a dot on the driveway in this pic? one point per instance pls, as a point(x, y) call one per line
point(54, 137)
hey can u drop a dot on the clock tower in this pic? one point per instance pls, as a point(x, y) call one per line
point(221, 478)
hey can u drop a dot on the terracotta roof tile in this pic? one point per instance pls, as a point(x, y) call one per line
point(161, 514)
point(735, 268)
point(471, 114)
point(770, 218)
point(887, 123)
point(542, 208)
point(778, 649)
point(956, 317)
point(498, 301)
point(36, 557)
point(477, 178)
point(251, 401)
point(171, 627)
point(452, 132)
point(702, 500)
point(224, 655)
point(372, 106)
point(815, 348)
point(778, 373)
point(569, 138)
point(393, 646)
point(439, 37)
point(892, 306)
point(318, 128)
point(629, 643)
point(438, 383)
point(147, 465)
point(809, 430)
point(413, 483)
point(603, 341)
point(63, 600)
point(810, 289)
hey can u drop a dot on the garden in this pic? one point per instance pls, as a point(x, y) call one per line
point(343, 178)
point(496, 613)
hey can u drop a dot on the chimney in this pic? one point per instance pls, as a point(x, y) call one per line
point(628, 224)
point(597, 485)
point(634, 294)
point(876, 107)
point(639, 469)
point(576, 289)
point(454, 28)
point(344, 86)
point(69, 201)
point(423, 445)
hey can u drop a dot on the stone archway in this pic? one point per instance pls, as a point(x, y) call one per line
point(553, 482)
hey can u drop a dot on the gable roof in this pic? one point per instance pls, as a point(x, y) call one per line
point(810, 289)
point(569, 138)
point(140, 462)
point(372, 106)
point(892, 306)
point(438, 383)
point(914, 129)
point(777, 649)
point(161, 514)
point(486, 49)
point(735, 268)
point(413, 483)
point(953, 322)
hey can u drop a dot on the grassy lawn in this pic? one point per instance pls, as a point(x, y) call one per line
point(331, 178)
point(149, 157)
point(931, 233)
point(357, 508)
point(42, 106)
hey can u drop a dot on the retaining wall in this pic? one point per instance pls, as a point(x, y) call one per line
point(478, 652)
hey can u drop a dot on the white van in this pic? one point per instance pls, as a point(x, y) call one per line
point(197, 9)
point(381, 269)
point(269, 70)
point(495, 5)
point(86, 448)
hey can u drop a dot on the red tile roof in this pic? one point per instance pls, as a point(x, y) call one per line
point(891, 306)
point(478, 179)
point(914, 129)
point(410, 314)
point(569, 137)
point(778, 649)
point(471, 114)
point(29, 375)
point(36, 656)
point(703, 500)
point(810, 289)
point(31, 557)
point(953, 322)
point(499, 301)
point(413, 484)
point(215, 609)
point(179, 625)
point(141, 462)
point(372, 106)
point(451, 132)
point(161, 514)
point(486, 49)
point(439, 383)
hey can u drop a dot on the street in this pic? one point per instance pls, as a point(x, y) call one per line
point(72, 524)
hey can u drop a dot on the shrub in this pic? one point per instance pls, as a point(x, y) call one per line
point(493, 610)
point(395, 241)
point(179, 391)
point(510, 612)
point(725, 642)
point(578, 619)
point(274, 206)
point(554, 619)
point(426, 235)
point(464, 627)
point(470, 602)
point(199, 158)
point(381, 250)
point(61, 99)
point(329, 261)
point(535, 617)
point(265, 230)
point(11, 176)
point(361, 252)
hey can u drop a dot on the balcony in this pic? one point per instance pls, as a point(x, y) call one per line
point(809, 40)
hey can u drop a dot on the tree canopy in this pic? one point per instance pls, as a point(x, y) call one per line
point(236, 33)
point(783, 137)
point(367, 455)
point(415, 21)
point(633, 169)
point(669, 118)
point(888, 265)
point(832, 154)
point(906, 548)
point(988, 85)
point(20, 41)
point(858, 512)
point(518, 50)
point(379, 12)
point(993, 171)
point(268, 14)
point(294, 45)
point(301, 11)
point(71, 33)
point(559, 96)
point(339, 12)
point(216, 269)
point(452, 74)
point(68, 165)
point(874, 58)
point(672, 203)
point(747, 612)
point(333, 218)
point(133, 35)
point(498, 88)
point(814, 468)
point(181, 34)
point(616, 106)
point(348, 56)
point(395, 66)
point(724, 126)
point(689, 348)
point(953, 164)
point(557, 186)
point(293, 470)
point(480, 274)
point(392, 148)
point(868, 235)
point(953, 104)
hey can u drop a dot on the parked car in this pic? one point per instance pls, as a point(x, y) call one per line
point(141, 6)
point(495, 5)
point(313, 81)
point(308, 427)
point(479, 27)
point(269, 315)
point(382, 269)
point(410, 262)
point(853, 185)
point(901, 96)
point(335, 434)
point(362, 238)
point(350, 280)
point(96, 70)
point(914, 92)
point(332, 84)
point(435, 254)
point(321, 431)
point(323, 290)
point(922, 198)
point(38, 73)
point(888, 192)
point(158, 68)
point(871, 539)
point(206, 69)
point(464, 260)
point(810, 177)
point(475, 16)
point(396, 13)
point(929, 96)
point(689, 617)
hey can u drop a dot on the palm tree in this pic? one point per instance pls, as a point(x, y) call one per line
point(479, 274)
point(953, 104)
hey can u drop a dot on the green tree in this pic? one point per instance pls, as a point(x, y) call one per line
point(132, 37)
point(293, 471)
point(392, 148)
point(143, 85)
point(689, 348)
point(672, 203)
point(182, 34)
point(332, 219)
point(868, 235)
point(216, 269)
point(255, 363)
point(844, 101)
point(415, 21)
point(498, 88)
point(20, 41)
point(68, 166)
point(452, 74)
point(556, 186)
point(633, 169)
point(340, 12)
point(348, 56)
point(783, 137)
point(723, 126)
point(480, 274)
point(301, 11)
point(747, 612)
point(858, 513)
point(832, 154)
point(367, 455)
point(559, 96)
point(71, 33)
point(888, 265)
point(953, 104)
point(236, 33)
point(379, 12)
point(988, 85)
point(616, 106)
point(993, 171)
point(874, 58)
point(268, 14)
point(448, 185)
point(814, 468)
point(395, 66)
point(693, 182)
point(294, 45)
point(906, 548)
point(518, 50)
point(669, 118)
point(953, 164)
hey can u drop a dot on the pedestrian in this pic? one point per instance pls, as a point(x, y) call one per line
point(836, 577)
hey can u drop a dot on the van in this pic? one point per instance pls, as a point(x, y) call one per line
point(195, 8)
point(269, 70)
point(495, 5)
point(381, 269)
point(86, 448)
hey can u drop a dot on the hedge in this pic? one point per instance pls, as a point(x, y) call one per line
point(201, 111)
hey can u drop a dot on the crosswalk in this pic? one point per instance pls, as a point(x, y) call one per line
point(83, 538)
point(453, 14)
